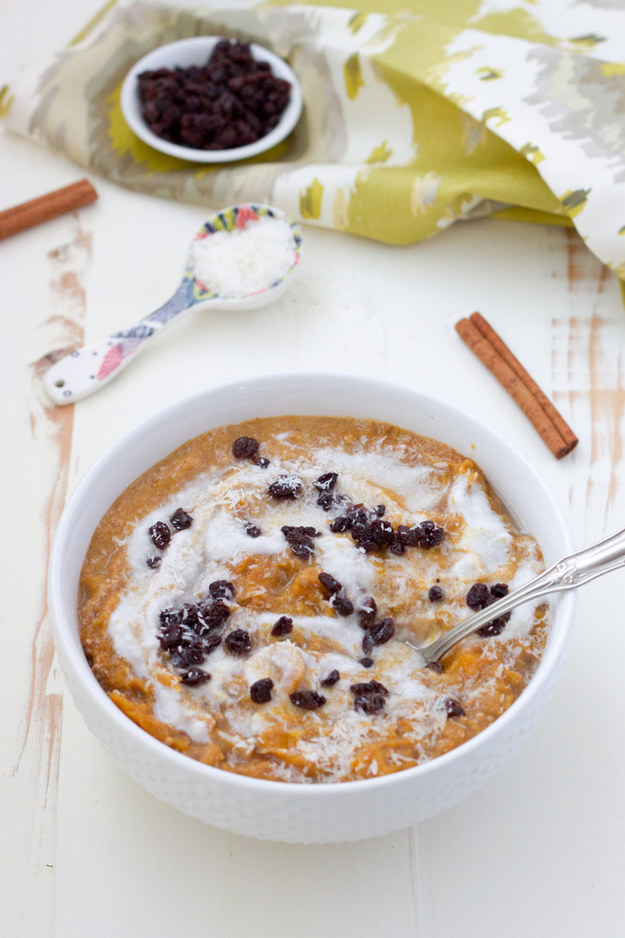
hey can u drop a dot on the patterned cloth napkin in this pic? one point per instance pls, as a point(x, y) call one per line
point(417, 113)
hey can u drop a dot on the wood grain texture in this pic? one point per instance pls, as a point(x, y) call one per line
point(38, 741)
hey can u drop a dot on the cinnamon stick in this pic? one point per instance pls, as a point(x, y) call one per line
point(45, 207)
point(507, 369)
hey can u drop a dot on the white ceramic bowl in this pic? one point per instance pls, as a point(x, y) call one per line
point(289, 811)
point(195, 51)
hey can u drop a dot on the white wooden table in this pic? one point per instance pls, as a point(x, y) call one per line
point(540, 851)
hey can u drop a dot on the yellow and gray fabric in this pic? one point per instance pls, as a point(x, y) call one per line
point(417, 114)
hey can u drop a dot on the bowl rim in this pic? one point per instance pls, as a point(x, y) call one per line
point(198, 47)
point(65, 622)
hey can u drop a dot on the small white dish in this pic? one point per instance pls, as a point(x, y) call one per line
point(195, 51)
point(288, 811)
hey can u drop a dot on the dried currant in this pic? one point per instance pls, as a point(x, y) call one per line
point(453, 707)
point(342, 605)
point(287, 486)
point(160, 534)
point(382, 631)
point(221, 589)
point(326, 482)
point(245, 447)
point(238, 642)
point(194, 676)
point(260, 691)
point(478, 596)
point(367, 612)
point(300, 539)
point(283, 626)
point(369, 696)
point(329, 583)
point(307, 699)
point(181, 519)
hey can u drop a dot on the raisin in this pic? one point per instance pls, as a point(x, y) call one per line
point(283, 626)
point(407, 536)
point(382, 631)
point(160, 534)
point(194, 676)
point(238, 642)
point(170, 616)
point(369, 687)
point(307, 699)
point(436, 594)
point(185, 655)
point(221, 589)
point(430, 535)
point(252, 530)
point(326, 482)
point(453, 707)
point(435, 666)
point(369, 696)
point(329, 583)
point(286, 487)
point(300, 530)
point(380, 510)
point(210, 642)
point(366, 662)
point(367, 612)
point(154, 562)
point(215, 614)
point(342, 604)
point(381, 532)
point(299, 538)
point(260, 691)
point(180, 520)
point(326, 500)
point(191, 616)
point(499, 590)
point(478, 596)
point(332, 678)
point(340, 524)
point(495, 626)
point(170, 636)
point(262, 462)
point(424, 535)
point(245, 447)
point(367, 642)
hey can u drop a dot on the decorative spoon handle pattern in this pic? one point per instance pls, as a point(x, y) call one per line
point(89, 368)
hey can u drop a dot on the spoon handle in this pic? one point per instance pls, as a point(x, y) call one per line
point(568, 573)
point(88, 369)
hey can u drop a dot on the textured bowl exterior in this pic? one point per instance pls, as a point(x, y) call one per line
point(195, 51)
point(281, 811)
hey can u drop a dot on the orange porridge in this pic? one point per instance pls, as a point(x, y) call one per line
point(246, 600)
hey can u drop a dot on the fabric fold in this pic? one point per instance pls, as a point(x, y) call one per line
point(415, 116)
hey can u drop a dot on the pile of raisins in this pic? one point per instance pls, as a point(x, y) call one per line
point(232, 101)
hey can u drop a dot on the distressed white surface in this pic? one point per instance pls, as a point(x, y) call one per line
point(540, 851)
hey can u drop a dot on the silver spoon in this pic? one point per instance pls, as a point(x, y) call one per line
point(568, 573)
point(88, 369)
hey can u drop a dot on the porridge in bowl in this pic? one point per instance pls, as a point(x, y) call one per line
point(246, 600)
